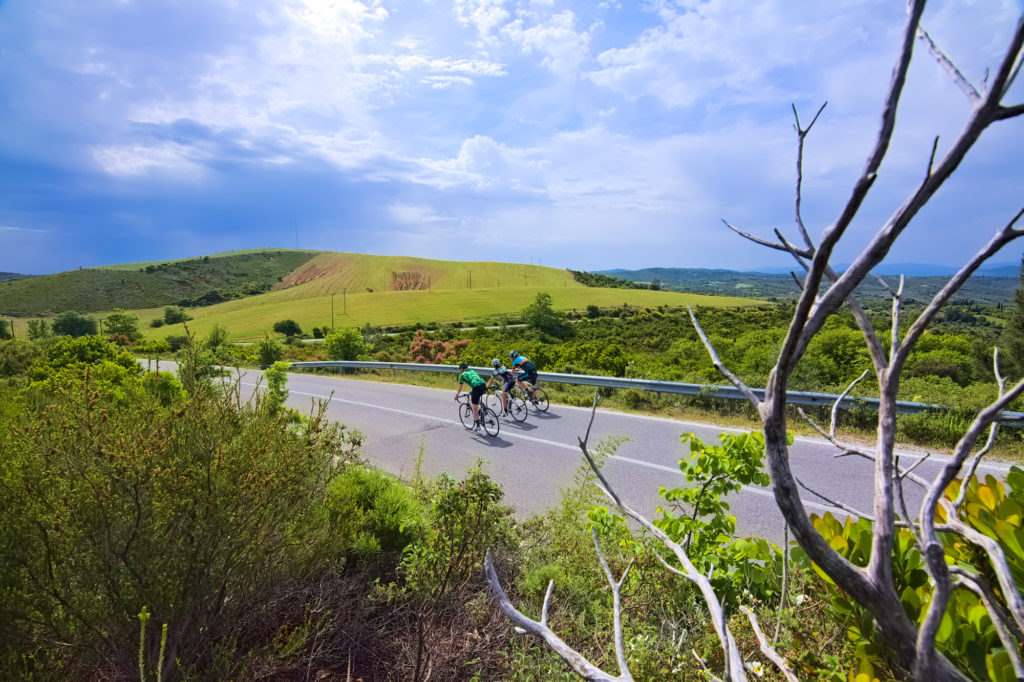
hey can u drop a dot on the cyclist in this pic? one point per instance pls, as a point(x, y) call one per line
point(477, 386)
point(506, 378)
point(527, 377)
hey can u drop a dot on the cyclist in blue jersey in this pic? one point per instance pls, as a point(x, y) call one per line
point(506, 378)
point(527, 377)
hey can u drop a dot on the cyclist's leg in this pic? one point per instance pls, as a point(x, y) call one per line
point(474, 401)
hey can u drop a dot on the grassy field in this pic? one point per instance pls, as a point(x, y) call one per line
point(98, 289)
point(331, 273)
point(253, 317)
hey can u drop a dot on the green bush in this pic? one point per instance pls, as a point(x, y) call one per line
point(38, 330)
point(16, 356)
point(345, 344)
point(270, 352)
point(130, 495)
point(966, 636)
point(74, 324)
point(370, 512)
point(175, 315)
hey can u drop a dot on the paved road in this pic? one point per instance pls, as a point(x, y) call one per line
point(534, 461)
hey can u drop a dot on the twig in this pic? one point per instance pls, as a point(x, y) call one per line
point(946, 63)
point(616, 585)
point(767, 649)
point(719, 365)
point(838, 505)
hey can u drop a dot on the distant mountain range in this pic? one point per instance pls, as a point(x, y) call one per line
point(915, 270)
point(995, 283)
point(4, 276)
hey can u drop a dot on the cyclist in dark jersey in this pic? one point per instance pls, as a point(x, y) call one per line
point(506, 378)
point(527, 370)
point(477, 386)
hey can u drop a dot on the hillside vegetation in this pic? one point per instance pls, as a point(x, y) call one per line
point(986, 288)
point(196, 281)
point(253, 317)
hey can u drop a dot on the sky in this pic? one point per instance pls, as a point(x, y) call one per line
point(591, 134)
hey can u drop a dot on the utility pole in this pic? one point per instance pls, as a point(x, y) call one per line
point(332, 312)
point(344, 301)
point(470, 273)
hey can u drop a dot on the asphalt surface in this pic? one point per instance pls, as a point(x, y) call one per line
point(536, 460)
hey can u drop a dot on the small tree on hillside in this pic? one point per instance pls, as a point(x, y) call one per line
point(74, 324)
point(345, 344)
point(541, 316)
point(1013, 334)
point(38, 330)
point(288, 328)
point(175, 315)
point(122, 328)
point(5, 329)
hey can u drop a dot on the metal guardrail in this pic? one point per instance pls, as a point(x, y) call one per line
point(1011, 419)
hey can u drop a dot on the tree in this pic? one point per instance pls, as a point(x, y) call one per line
point(1012, 341)
point(6, 330)
point(345, 344)
point(175, 315)
point(217, 338)
point(288, 327)
point(542, 316)
point(122, 328)
point(38, 330)
point(270, 352)
point(939, 525)
point(74, 324)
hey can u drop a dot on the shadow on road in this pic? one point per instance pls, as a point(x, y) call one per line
point(496, 442)
point(545, 415)
point(519, 426)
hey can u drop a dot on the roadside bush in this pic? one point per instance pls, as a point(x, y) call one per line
point(270, 352)
point(966, 636)
point(16, 356)
point(38, 330)
point(345, 344)
point(176, 342)
point(191, 506)
point(6, 330)
point(121, 328)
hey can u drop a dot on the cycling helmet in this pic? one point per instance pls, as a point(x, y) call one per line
point(463, 366)
point(513, 354)
point(495, 363)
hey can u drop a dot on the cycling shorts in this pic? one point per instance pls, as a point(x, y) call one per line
point(530, 376)
point(475, 392)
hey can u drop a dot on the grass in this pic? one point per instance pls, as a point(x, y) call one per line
point(251, 318)
point(98, 289)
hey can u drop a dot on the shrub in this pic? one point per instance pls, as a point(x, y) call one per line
point(217, 338)
point(288, 328)
point(122, 328)
point(345, 344)
point(369, 512)
point(74, 324)
point(16, 356)
point(176, 342)
point(175, 315)
point(194, 510)
point(156, 323)
point(38, 330)
point(270, 352)
point(6, 330)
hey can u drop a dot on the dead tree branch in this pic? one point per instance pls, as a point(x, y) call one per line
point(946, 63)
point(719, 365)
point(767, 649)
point(616, 586)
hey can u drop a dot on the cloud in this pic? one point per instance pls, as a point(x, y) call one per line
point(562, 47)
point(416, 214)
point(29, 230)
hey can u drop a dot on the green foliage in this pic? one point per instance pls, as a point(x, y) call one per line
point(176, 342)
point(133, 287)
point(345, 344)
point(593, 279)
point(288, 328)
point(466, 519)
point(195, 505)
point(217, 339)
point(541, 316)
point(38, 330)
point(16, 356)
point(6, 330)
point(1012, 341)
point(277, 386)
point(74, 324)
point(270, 352)
point(175, 315)
point(121, 328)
point(156, 322)
point(966, 636)
point(369, 512)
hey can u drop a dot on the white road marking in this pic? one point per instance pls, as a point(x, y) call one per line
point(756, 490)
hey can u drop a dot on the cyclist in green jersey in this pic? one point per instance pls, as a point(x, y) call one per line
point(477, 386)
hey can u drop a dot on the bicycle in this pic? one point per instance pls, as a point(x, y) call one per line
point(536, 397)
point(516, 406)
point(488, 418)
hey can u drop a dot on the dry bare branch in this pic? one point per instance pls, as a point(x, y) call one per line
point(766, 648)
point(576, 661)
point(719, 365)
point(946, 63)
point(894, 331)
point(777, 246)
point(834, 503)
point(616, 585)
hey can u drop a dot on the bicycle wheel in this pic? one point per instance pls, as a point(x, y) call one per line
point(466, 415)
point(540, 400)
point(489, 420)
point(517, 408)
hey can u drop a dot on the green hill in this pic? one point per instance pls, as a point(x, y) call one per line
point(210, 279)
